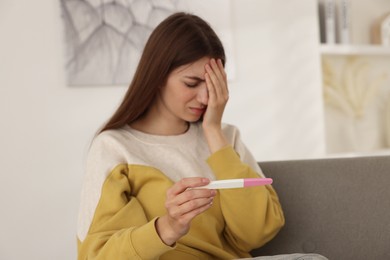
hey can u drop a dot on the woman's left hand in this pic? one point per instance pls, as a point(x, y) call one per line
point(216, 82)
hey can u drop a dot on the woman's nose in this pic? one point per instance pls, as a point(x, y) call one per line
point(203, 94)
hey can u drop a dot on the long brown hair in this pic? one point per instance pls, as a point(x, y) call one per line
point(180, 39)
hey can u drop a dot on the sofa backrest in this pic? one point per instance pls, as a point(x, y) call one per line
point(339, 208)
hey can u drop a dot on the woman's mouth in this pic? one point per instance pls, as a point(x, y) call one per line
point(197, 110)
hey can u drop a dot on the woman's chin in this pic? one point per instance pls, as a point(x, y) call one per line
point(194, 119)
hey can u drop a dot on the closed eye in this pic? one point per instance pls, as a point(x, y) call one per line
point(192, 81)
point(191, 85)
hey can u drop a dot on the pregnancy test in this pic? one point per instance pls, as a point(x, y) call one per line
point(236, 183)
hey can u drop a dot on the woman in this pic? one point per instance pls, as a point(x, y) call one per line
point(165, 139)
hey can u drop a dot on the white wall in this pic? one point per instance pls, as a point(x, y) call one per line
point(277, 98)
point(46, 126)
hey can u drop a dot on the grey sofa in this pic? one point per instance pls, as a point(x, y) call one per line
point(339, 208)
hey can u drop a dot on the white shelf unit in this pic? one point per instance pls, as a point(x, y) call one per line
point(328, 49)
point(352, 65)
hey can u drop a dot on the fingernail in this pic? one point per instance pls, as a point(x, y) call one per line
point(205, 180)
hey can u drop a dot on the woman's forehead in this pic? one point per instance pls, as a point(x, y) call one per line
point(196, 68)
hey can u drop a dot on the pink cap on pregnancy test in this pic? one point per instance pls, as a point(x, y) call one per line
point(257, 181)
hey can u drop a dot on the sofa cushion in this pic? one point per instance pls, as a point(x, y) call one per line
point(338, 207)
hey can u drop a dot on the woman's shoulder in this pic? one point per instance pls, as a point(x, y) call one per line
point(112, 137)
point(111, 133)
point(112, 146)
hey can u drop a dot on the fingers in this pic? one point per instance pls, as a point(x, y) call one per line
point(184, 203)
point(182, 194)
point(188, 216)
point(191, 208)
point(210, 89)
point(219, 71)
point(181, 199)
point(216, 81)
point(216, 84)
point(224, 77)
point(186, 183)
point(192, 195)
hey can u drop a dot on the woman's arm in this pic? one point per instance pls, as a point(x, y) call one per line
point(120, 228)
point(216, 82)
point(253, 215)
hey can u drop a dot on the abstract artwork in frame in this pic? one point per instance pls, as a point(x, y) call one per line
point(104, 39)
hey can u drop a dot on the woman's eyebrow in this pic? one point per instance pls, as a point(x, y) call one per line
point(194, 78)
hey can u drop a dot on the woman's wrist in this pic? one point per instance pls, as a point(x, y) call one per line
point(164, 231)
point(216, 140)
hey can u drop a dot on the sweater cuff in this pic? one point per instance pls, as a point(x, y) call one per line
point(226, 163)
point(147, 243)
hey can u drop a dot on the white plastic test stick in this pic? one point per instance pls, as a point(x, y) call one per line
point(236, 183)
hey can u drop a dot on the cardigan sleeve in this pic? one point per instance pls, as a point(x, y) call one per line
point(253, 216)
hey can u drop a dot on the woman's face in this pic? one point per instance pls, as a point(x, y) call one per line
point(184, 97)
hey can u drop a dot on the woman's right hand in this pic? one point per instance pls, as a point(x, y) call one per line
point(217, 86)
point(183, 204)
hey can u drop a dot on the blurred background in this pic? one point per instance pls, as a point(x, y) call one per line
point(292, 97)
